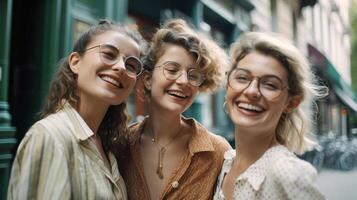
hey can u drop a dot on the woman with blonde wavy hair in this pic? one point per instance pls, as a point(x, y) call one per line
point(69, 153)
point(170, 156)
point(267, 83)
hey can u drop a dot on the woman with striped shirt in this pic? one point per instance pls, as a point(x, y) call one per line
point(69, 153)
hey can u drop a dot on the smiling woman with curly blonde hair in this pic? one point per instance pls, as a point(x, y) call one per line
point(170, 156)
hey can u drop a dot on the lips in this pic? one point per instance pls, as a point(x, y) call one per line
point(112, 80)
point(177, 93)
point(250, 107)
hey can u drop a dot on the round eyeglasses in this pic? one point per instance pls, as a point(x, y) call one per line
point(269, 86)
point(110, 55)
point(172, 71)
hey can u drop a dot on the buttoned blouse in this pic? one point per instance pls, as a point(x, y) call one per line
point(194, 178)
point(278, 174)
point(57, 159)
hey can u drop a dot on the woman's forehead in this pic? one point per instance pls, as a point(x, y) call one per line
point(178, 54)
point(261, 64)
point(124, 43)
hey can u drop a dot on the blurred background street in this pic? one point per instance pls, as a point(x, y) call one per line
point(338, 185)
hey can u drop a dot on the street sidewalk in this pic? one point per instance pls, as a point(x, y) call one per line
point(338, 185)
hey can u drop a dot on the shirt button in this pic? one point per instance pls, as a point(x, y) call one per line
point(175, 184)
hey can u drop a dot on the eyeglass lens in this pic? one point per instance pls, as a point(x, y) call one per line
point(269, 86)
point(110, 55)
point(173, 71)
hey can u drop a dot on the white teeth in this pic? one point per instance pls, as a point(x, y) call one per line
point(177, 93)
point(111, 80)
point(250, 107)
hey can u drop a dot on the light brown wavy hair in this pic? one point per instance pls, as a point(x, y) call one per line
point(113, 128)
point(292, 127)
point(210, 58)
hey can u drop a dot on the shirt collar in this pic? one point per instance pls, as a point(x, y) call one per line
point(256, 173)
point(81, 129)
point(199, 142)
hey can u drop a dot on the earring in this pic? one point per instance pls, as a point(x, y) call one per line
point(225, 107)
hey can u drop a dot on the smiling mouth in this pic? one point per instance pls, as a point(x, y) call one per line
point(250, 107)
point(177, 94)
point(112, 81)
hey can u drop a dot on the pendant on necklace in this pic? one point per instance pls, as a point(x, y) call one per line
point(160, 164)
point(152, 139)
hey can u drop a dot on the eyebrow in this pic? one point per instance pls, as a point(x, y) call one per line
point(121, 52)
point(266, 75)
point(179, 65)
point(112, 47)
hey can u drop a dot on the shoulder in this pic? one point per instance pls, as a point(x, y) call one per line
point(289, 168)
point(134, 131)
point(50, 132)
point(219, 143)
point(38, 141)
point(292, 177)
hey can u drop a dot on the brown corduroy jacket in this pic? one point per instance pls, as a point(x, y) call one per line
point(195, 178)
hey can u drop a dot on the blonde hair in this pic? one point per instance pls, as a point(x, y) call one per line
point(210, 58)
point(292, 127)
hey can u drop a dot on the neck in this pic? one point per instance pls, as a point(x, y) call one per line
point(250, 146)
point(164, 126)
point(92, 113)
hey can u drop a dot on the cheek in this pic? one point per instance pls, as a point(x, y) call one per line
point(278, 107)
point(159, 82)
point(195, 91)
point(231, 95)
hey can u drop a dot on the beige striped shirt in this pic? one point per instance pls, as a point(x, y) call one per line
point(57, 159)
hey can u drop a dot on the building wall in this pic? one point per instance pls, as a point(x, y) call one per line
point(261, 15)
point(329, 21)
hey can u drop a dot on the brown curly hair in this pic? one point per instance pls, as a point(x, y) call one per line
point(210, 58)
point(113, 128)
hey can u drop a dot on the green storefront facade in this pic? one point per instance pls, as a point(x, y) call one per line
point(337, 113)
point(35, 35)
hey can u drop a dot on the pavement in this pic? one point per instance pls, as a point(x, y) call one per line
point(338, 185)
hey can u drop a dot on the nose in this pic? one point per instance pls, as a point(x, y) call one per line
point(252, 89)
point(182, 79)
point(120, 65)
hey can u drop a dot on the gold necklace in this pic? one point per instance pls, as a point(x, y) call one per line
point(162, 150)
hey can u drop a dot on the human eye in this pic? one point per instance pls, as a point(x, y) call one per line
point(171, 68)
point(132, 64)
point(130, 67)
point(194, 74)
point(242, 78)
point(109, 52)
point(270, 83)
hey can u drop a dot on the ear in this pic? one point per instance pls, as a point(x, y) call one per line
point(294, 102)
point(147, 80)
point(73, 61)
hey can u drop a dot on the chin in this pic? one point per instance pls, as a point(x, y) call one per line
point(173, 108)
point(242, 122)
point(115, 101)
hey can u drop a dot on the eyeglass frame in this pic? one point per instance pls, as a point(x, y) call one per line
point(284, 86)
point(181, 71)
point(124, 58)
